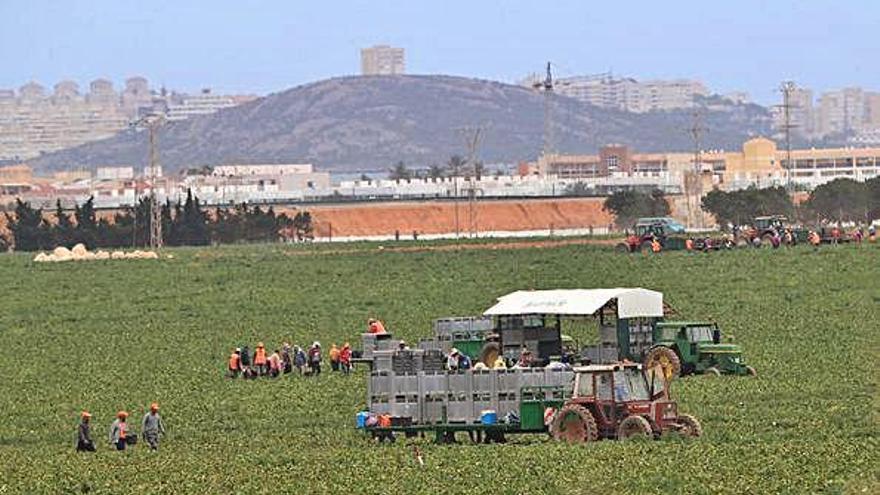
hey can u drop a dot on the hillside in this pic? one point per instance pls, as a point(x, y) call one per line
point(360, 123)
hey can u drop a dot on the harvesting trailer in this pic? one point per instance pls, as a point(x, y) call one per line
point(582, 405)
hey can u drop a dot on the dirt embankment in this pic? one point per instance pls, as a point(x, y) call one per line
point(433, 217)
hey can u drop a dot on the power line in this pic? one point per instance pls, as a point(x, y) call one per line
point(152, 123)
point(787, 88)
point(694, 187)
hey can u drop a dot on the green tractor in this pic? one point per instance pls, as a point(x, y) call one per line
point(683, 348)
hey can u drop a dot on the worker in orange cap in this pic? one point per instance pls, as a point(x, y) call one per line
point(118, 430)
point(153, 427)
point(84, 441)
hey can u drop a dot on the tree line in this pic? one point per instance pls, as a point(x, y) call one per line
point(841, 200)
point(183, 224)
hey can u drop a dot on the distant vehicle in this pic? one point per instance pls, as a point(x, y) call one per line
point(667, 231)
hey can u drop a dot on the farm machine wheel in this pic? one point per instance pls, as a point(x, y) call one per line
point(574, 424)
point(751, 371)
point(713, 371)
point(622, 247)
point(633, 427)
point(489, 353)
point(645, 248)
point(667, 359)
point(690, 426)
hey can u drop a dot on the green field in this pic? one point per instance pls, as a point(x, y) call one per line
point(113, 335)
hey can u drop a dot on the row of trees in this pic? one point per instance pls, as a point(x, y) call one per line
point(183, 224)
point(841, 200)
point(457, 166)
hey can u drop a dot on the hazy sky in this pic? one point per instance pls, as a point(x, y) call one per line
point(266, 46)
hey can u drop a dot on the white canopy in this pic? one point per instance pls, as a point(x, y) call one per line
point(631, 302)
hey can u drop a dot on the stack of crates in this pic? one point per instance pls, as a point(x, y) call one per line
point(460, 405)
point(507, 386)
point(433, 360)
point(484, 395)
point(379, 392)
point(403, 362)
point(405, 396)
point(383, 360)
point(433, 394)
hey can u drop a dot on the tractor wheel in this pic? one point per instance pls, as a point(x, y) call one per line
point(646, 248)
point(751, 371)
point(634, 427)
point(691, 426)
point(574, 424)
point(667, 359)
point(713, 372)
point(622, 247)
point(489, 353)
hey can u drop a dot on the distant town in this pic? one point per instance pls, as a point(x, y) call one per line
point(34, 121)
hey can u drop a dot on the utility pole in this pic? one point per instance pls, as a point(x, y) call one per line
point(546, 86)
point(695, 191)
point(787, 88)
point(152, 123)
point(473, 137)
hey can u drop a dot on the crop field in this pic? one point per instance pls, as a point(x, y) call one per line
point(110, 335)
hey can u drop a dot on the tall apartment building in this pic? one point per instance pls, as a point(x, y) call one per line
point(801, 114)
point(203, 103)
point(841, 111)
point(631, 95)
point(382, 60)
point(34, 122)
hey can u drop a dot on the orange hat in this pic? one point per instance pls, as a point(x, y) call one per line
point(154, 406)
point(85, 414)
point(122, 415)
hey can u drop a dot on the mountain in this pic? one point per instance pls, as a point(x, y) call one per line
point(371, 122)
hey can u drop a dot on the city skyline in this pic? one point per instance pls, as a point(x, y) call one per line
point(744, 47)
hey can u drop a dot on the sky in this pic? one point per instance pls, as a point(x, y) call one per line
point(267, 46)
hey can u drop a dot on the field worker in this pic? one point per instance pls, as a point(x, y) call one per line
point(235, 363)
point(118, 430)
point(872, 233)
point(689, 244)
point(375, 326)
point(153, 426)
point(286, 359)
point(655, 246)
point(334, 357)
point(499, 364)
point(857, 235)
point(315, 358)
point(84, 441)
point(275, 364)
point(299, 359)
point(464, 362)
point(480, 366)
point(260, 360)
point(245, 356)
point(452, 360)
point(814, 238)
point(345, 358)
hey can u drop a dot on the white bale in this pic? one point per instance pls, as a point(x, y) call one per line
point(151, 255)
point(41, 258)
point(79, 249)
point(61, 252)
point(102, 255)
point(117, 255)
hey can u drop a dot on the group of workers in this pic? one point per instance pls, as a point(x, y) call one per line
point(120, 436)
point(285, 360)
point(458, 361)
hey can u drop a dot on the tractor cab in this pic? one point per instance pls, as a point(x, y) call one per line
point(685, 347)
point(619, 401)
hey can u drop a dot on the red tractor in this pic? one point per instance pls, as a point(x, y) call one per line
point(619, 401)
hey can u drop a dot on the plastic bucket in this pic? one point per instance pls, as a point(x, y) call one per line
point(488, 417)
point(361, 419)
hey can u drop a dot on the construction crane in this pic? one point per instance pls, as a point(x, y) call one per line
point(152, 122)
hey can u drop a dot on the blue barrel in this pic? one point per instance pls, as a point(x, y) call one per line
point(361, 419)
point(488, 417)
